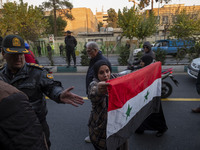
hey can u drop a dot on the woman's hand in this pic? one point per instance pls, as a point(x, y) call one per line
point(102, 87)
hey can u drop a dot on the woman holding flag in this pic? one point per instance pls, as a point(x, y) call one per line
point(97, 93)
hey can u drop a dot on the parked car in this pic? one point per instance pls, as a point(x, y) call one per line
point(136, 51)
point(172, 46)
point(194, 67)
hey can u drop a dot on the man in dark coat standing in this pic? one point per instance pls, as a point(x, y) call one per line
point(49, 50)
point(70, 43)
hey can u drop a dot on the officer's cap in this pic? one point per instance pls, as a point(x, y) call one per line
point(68, 31)
point(14, 44)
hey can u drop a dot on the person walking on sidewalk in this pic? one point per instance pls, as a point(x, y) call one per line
point(95, 55)
point(61, 47)
point(49, 50)
point(70, 43)
point(39, 50)
point(34, 81)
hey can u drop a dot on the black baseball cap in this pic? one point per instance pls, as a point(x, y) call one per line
point(14, 44)
point(68, 31)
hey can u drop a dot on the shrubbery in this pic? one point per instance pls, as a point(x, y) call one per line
point(123, 55)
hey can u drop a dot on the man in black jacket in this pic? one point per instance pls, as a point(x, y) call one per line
point(93, 52)
point(19, 125)
point(70, 43)
point(33, 80)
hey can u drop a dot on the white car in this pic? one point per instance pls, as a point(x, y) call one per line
point(135, 51)
point(194, 67)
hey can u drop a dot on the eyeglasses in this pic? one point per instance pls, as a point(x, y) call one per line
point(145, 47)
point(89, 50)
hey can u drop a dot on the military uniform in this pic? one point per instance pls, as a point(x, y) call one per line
point(34, 80)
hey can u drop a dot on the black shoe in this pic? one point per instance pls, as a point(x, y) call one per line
point(67, 67)
point(196, 110)
point(74, 66)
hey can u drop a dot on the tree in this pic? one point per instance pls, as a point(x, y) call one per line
point(112, 18)
point(100, 24)
point(146, 26)
point(145, 3)
point(128, 20)
point(26, 21)
point(61, 24)
point(185, 26)
point(63, 7)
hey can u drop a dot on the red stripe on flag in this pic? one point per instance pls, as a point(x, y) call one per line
point(124, 88)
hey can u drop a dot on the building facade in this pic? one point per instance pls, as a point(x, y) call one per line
point(167, 16)
point(84, 21)
point(102, 17)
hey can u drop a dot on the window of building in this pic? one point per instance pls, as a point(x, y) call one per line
point(165, 19)
point(174, 19)
point(158, 19)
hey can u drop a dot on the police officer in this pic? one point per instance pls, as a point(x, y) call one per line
point(33, 80)
point(70, 43)
point(49, 50)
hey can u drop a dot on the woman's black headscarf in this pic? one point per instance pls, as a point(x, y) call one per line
point(147, 59)
point(98, 64)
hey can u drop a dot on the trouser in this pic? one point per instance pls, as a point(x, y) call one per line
point(46, 132)
point(69, 54)
point(50, 58)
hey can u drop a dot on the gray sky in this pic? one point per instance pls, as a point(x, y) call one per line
point(106, 4)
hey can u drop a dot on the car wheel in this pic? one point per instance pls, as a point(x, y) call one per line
point(182, 52)
point(166, 89)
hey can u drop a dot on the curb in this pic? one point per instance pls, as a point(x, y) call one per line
point(115, 69)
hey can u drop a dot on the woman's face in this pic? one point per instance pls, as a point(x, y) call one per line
point(104, 73)
point(142, 64)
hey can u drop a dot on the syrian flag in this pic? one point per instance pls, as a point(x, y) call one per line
point(132, 98)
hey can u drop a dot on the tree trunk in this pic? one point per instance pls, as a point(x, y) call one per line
point(152, 5)
point(54, 14)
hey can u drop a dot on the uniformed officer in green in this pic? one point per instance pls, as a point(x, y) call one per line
point(33, 80)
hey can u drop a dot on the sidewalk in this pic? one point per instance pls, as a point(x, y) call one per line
point(60, 65)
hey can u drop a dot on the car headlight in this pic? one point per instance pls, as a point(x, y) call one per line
point(195, 66)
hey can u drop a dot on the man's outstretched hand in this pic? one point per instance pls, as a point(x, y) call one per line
point(70, 98)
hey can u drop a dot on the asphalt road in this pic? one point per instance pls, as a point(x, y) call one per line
point(68, 124)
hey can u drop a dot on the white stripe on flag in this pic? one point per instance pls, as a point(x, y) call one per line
point(118, 118)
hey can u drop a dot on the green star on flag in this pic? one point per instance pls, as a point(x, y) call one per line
point(128, 111)
point(146, 96)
